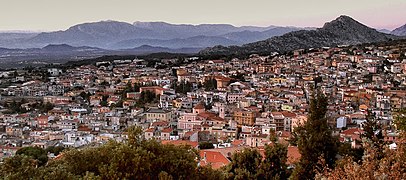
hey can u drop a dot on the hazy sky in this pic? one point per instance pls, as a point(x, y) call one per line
point(61, 14)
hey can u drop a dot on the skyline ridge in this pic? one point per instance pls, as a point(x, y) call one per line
point(191, 24)
point(48, 15)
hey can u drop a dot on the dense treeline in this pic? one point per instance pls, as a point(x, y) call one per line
point(134, 159)
point(142, 159)
point(17, 106)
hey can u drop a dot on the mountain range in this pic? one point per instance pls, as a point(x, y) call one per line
point(400, 31)
point(121, 35)
point(89, 40)
point(342, 31)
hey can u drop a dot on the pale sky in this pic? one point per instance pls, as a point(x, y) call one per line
point(50, 15)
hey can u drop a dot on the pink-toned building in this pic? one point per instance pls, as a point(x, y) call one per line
point(42, 121)
point(188, 120)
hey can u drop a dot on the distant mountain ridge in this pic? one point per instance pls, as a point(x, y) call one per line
point(342, 31)
point(60, 53)
point(400, 31)
point(119, 35)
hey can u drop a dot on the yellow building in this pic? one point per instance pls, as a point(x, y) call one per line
point(244, 117)
point(158, 115)
point(277, 80)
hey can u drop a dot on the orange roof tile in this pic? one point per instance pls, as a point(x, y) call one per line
point(213, 158)
point(237, 142)
point(167, 130)
point(199, 106)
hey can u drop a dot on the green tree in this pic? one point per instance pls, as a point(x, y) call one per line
point(210, 84)
point(18, 167)
point(104, 102)
point(245, 164)
point(56, 150)
point(147, 97)
point(206, 145)
point(314, 139)
point(183, 87)
point(345, 149)
point(400, 119)
point(36, 153)
point(274, 164)
point(136, 158)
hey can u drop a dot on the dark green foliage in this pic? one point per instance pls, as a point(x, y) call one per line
point(15, 107)
point(136, 87)
point(372, 130)
point(104, 83)
point(400, 120)
point(42, 107)
point(206, 145)
point(210, 84)
point(18, 167)
point(103, 102)
point(85, 96)
point(147, 97)
point(36, 153)
point(249, 164)
point(274, 164)
point(206, 172)
point(345, 149)
point(54, 149)
point(237, 77)
point(134, 159)
point(245, 165)
point(315, 140)
point(374, 135)
point(183, 87)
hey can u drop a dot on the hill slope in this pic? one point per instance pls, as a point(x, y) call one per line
point(117, 35)
point(400, 31)
point(342, 31)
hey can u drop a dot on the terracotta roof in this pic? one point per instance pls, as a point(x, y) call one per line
point(222, 78)
point(199, 106)
point(213, 158)
point(84, 128)
point(59, 156)
point(288, 114)
point(207, 114)
point(237, 142)
point(167, 130)
point(189, 133)
point(352, 131)
point(286, 134)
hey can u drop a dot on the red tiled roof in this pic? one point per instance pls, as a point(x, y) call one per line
point(286, 134)
point(207, 114)
point(352, 131)
point(213, 158)
point(237, 142)
point(199, 106)
point(189, 133)
point(167, 130)
point(84, 128)
point(288, 114)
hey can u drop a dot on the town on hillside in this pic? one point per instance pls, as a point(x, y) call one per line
point(219, 106)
